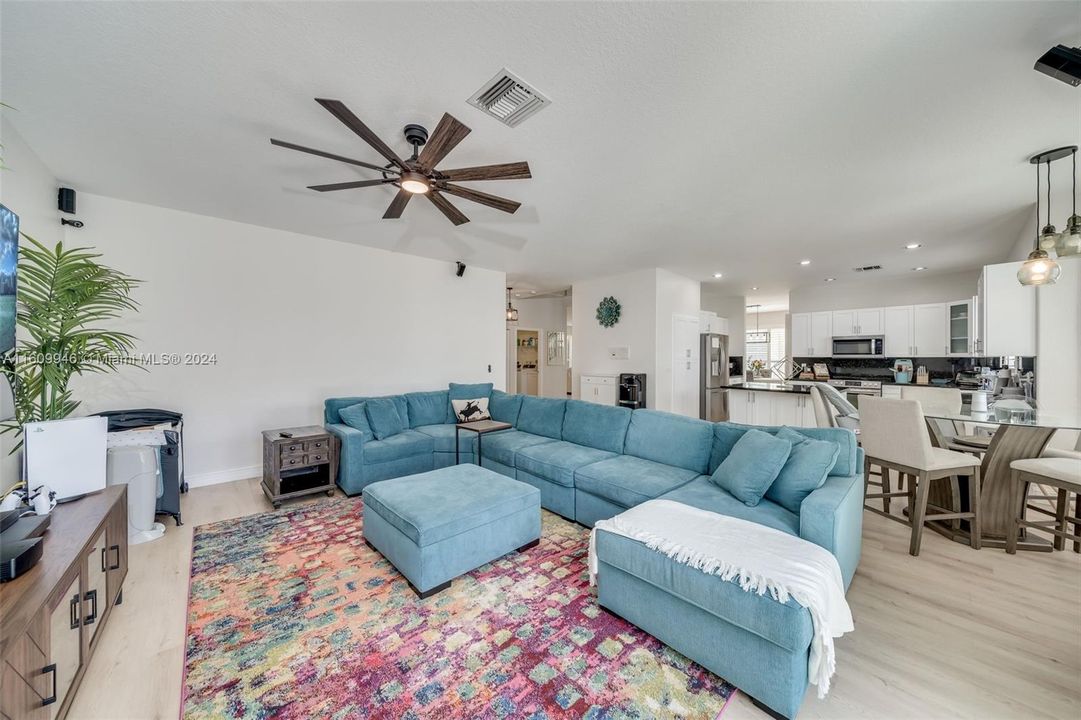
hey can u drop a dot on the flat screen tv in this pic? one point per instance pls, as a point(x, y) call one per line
point(9, 256)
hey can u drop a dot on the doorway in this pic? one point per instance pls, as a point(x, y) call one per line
point(527, 366)
point(685, 362)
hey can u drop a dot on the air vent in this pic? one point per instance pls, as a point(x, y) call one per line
point(508, 98)
point(867, 268)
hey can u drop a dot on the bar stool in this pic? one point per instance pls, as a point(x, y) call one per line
point(1060, 473)
point(894, 435)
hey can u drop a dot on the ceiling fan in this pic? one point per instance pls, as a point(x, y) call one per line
point(417, 175)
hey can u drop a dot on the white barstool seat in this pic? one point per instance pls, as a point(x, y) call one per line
point(1063, 474)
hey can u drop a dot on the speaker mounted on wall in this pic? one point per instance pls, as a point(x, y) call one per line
point(66, 200)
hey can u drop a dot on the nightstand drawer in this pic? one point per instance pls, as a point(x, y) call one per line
point(292, 461)
point(316, 458)
point(292, 447)
point(321, 446)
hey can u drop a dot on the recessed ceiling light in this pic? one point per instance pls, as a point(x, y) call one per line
point(912, 246)
point(754, 288)
point(717, 275)
point(830, 279)
point(532, 292)
point(918, 269)
point(804, 262)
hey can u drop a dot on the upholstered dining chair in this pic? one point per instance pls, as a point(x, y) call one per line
point(823, 417)
point(936, 401)
point(1063, 474)
point(894, 436)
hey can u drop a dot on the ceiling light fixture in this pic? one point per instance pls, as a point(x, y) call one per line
point(414, 182)
point(830, 279)
point(754, 288)
point(804, 262)
point(921, 268)
point(1039, 268)
point(913, 246)
point(512, 312)
point(718, 275)
point(1069, 240)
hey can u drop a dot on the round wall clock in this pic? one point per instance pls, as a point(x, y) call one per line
point(608, 312)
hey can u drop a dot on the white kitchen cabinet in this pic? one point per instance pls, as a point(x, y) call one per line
point(600, 389)
point(960, 323)
point(801, 335)
point(929, 330)
point(869, 321)
point(897, 329)
point(844, 322)
point(739, 403)
point(791, 409)
point(821, 334)
point(891, 391)
point(1006, 311)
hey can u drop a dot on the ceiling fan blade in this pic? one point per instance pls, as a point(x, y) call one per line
point(448, 133)
point(332, 156)
point(350, 185)
point(453, 214)
point(397, 205)
point(338, 109)
point(506, 171)
point(507, 206)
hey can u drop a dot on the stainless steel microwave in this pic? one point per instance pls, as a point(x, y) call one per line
point(859, 346)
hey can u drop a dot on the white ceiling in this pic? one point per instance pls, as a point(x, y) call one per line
point(726, 137)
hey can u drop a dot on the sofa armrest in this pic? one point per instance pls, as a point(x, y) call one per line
point(832, 516)
point(351, 457)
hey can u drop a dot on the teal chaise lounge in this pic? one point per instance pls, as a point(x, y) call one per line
point(591, 462)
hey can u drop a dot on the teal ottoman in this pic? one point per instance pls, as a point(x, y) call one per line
point(438, 525)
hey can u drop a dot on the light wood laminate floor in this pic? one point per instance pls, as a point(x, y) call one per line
point(954, 633)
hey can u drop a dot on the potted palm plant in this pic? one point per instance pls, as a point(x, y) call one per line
point(65, 296)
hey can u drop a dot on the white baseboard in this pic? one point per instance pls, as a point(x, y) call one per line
point(223, 476)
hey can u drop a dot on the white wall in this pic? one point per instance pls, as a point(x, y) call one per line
point(732, 307)
point(676, 295)
point(291, 320)
point(546, 315)
point(28, 189)
point(1058, 346)
point(911, 289)
point(636, 330)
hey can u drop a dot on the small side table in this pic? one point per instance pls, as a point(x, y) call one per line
point(481, 428)
point(303, 464)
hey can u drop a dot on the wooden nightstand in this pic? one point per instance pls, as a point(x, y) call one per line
point(303, 464)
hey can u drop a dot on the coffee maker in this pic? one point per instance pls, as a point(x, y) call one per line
point(632, 390)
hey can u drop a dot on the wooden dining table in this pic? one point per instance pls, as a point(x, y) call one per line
point(1017, 436)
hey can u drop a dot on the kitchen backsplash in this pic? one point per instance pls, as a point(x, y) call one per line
point(882, 368)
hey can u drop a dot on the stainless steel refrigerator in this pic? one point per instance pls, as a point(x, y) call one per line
point(713, 403)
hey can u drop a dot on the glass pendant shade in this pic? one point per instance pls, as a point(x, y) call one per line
point(512, 312)
point(1038, 269)
point(1069, 240)
point(1048, 237)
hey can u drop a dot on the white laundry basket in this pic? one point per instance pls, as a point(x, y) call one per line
point(137, 467)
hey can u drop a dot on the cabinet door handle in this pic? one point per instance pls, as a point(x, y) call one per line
point(73, 611)
point(92, 596)
point(104, 567)
point(117, 549)
point(52, 697)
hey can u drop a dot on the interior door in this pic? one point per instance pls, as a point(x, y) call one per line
point(685, 365)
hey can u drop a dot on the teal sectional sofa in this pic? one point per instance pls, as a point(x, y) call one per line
point(591, 462)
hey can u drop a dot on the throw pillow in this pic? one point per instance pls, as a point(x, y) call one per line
point(809, 462)
point(458, 391)
point(471, 410)
point(356, 417)
point(752, 466)
point(383, 417)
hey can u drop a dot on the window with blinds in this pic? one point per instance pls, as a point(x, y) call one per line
point(769, 352)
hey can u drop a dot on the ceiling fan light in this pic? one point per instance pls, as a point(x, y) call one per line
point(1039, 269)
point(414, 182)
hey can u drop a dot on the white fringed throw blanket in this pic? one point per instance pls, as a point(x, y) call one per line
point(761, 558)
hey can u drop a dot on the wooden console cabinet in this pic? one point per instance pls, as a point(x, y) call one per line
point(51, 617)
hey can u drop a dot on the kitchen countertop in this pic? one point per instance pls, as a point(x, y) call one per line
point(769, 387)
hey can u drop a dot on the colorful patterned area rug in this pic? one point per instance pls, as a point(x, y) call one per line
point(291, 615)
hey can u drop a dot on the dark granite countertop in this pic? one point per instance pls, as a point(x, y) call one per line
point(769, 387)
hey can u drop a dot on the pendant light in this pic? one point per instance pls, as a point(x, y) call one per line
point(1039, 268)
point(1069, 240)
point(512, 312)
point(1048, 236)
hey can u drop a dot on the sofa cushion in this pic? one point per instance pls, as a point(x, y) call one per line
point(427, 408)
point(628, 481)
point(670, 439)
point(433, 506)
point(603, 427)
point(504, 407)
point(443, 435)
point(704, 494)
point(383, 418)
point(557, 461)
point(725, 435)
point(356, 417)
point(809, 462)
point(752, 466)
point(405, 444)
point(502, 446)
point(332, 407)
point(542, 416)
point(458, 391)
point(787, 625)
